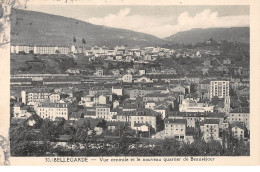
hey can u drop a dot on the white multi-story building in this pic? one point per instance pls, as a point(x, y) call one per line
point(193, 106)
point(54, 98)
point(42, 49)
point(219, 88)
point(53, 110)
point(117, 90)
point(32, 97)
point(175, 128)
point(143, 116)
point(103, 111)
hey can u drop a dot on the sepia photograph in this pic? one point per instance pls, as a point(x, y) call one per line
point(145, 81)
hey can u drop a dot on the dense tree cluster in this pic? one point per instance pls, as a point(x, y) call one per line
point(84, 142)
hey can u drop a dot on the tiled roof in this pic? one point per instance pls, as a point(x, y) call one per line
point(176, 121)
point(57, 105)
point(239, 125)
point(139, 124)
point(161, 107)
point(197, 114)
point(116, 123)
point(211, 121)
point(240, 110)
point(139, 112)
point(156, 94)
point(205, 81)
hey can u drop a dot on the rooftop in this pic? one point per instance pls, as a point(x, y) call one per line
point(240, 110)
point(176, 121)
point(239, 125)
point(211, 121)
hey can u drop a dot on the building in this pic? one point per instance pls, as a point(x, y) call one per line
point(219, 88)
point(101, 98)
point(143, 79)
point(192, 106)
point(53, 110)
point(117, 90)
point(162, 109)
point(127, 78)
point(142, 72)
point(115, 104)
point(193, 117)
point(240, 115)
point(156, 96)
point(21, 112)
point(204, 86)
point(177, 89)
point(238, 130)
point(210, 129)
point(103, 111)
point(32, 97)
point(73, 71)
point(99, 72)
point(175, 128)
point(243, 91)
point(54, 98)
point(143, 116)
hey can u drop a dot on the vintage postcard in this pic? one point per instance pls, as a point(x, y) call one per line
point(105, 82)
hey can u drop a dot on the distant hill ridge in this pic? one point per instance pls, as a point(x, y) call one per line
point(38, 28)
point(234, 34)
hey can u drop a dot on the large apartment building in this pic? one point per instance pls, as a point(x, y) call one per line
point(32, 97)
point(41, 49)
point(53, 110)
point(219, 88)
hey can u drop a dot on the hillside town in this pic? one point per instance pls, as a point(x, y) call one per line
point(151, 91)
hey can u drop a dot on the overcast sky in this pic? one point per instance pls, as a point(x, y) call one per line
point(160, 21)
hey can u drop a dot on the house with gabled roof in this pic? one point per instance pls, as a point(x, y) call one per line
point(162, 109)
point(238, 130)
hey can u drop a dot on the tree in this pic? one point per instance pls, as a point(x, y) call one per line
point(193, 88)
point(215, 100)
point(48, 131)
point(214, 148)
point(102, 124)
point(224, 138)
point(115, 96)
point(170, 147)
point(159, 123)
point(83, 41)
point(82, 133)
point(197, 131)
point(57, 52)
